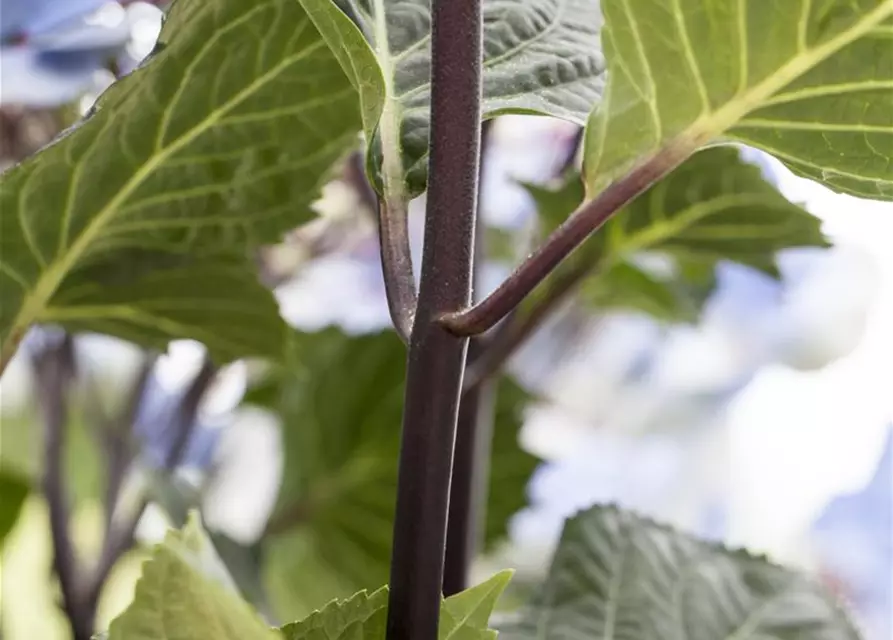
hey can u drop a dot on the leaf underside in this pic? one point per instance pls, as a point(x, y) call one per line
point(808, 81)
point(617, 576)
point(141, 221)
point(539, 57)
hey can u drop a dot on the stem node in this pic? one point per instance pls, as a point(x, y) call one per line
point(582, 223)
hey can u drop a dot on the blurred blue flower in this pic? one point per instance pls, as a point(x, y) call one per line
point(52, 50)
point(26, 17)
point(156, 427)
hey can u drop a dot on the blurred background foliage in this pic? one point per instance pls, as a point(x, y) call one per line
point(742, 393)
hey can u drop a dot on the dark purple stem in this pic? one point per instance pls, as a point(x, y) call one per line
point(582, 223)
point(437, 357)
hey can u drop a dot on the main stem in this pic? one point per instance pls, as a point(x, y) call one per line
point(436, 357)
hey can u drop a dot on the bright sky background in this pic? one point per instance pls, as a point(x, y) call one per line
point(798, 437)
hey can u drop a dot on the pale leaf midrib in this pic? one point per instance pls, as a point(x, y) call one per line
point(792, 159)
point(827, 90)
point(15, 276)
point(50, 280)
point(415, 46)
point(743, 49)
point(646, 67)
point(615, 584)
point(139, 317)
point(27, 233)
point(751, 623)
point(713, 124)
point(389, 123)
point(801, 125)
point(690, 56)
point(675, 225)
point(172, 196)
point(708, 127)
point(803, 24)
point(75, 310)
point(163, 126)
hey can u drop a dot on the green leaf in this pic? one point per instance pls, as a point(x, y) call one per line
point(13, 492)
point(807, 81)
point(362, 617)
point(618, 576)
point(554, 203)
point(467, 614)
point(140, 222)
point(243, 563)
point(355, 56)
point(464, 616)
point(627, 287)
point(714, 207)
point(185, 594)
point(21, 452)
point(196, 547)
point(341, 404)
point(539, 57)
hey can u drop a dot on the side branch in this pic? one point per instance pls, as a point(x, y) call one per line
point(396, 265)
point(582, 223)
point(515, 331)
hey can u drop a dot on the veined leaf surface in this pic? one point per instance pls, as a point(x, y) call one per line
point(539, 57)
point(714, 207)
point(361, 617)
point(617, 576)
point(464, 616)
point(184, 593)
point(140, 221)
point(809, 81)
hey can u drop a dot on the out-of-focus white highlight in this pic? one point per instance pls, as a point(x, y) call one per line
point(177, 368)
point(145, 25)
point(108, 16)
point(799, 438)
point(249, 463)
